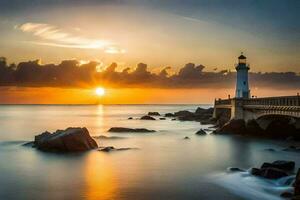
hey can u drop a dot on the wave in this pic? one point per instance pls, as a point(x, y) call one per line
point(251, 187)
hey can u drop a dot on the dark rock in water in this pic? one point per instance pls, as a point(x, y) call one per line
point(201, 111)
point(287, 195)
point(28, 144)
point(130, 118)
point(292, 149)
point(269, 173)
point(103, 137)
point(154, 113)
point(201, 132)
point(183, 113)
point(130, 130)
point(235, 126)
point(297, 184)
point(162, 118)
point(69, 140)
point(270, 149)
point(169, 115)
point(146, 117)
point(235, 169)
point(111, 148)
point(280, 164)
point(173, 119)
point(106, 149)
point(186, 138)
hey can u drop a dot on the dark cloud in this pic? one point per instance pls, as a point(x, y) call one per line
point(70, 73)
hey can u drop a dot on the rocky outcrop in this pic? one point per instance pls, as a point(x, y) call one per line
point(130, 130)
point(69, 140)
point(154, 113)
point(169, 115)
point(235, 126)
point(162, 118)
point(280, 164)
point(274, 170)
point(201, 132)
point(147, 117)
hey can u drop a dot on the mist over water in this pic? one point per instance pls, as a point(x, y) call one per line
point(164, 166)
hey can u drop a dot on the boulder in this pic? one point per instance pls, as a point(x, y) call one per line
point(146, 117)
point(183, 113)
point(69, 140)
point(280, 164)
point(130, 130)
point(111, 148)
point(186, 138)
point(162, 118)
point(297, 184)
point(154, 113)
point(234, 126)
point(130, 118)
point(200, 132)
point(269, 173)
point(235, 169)
point(169, 115)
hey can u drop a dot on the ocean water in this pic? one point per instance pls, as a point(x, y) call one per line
point(163, 165)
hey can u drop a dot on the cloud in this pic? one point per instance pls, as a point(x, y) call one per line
point(73, 73)
point(53, 36)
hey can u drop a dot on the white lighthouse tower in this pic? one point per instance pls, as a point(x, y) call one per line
point(242, 85)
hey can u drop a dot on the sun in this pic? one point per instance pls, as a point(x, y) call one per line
point(100, 91)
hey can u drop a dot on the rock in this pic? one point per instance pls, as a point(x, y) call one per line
point(235, 169)
point(106, 149)
point(169, 115)
point(287, 195)
point(130, 130)
point(111, 148)
point(154, 113)
point(103, 137)
point(269, 173)
point(201, 132)
point(28, 144)
point(183, 113)
point(296, 197)
point(162, 118)
point(270, 149)
point(69, 140)
point(173, 119)
point(280, 164)
point(235, 126)
point(297, 184)
point(292, 149)
point(130, 118)
point(186, 138)
point(146, 117)
point(201, 111)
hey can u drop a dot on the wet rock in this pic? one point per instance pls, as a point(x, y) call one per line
point(153, 113)
point(183, 113)
point(162, 118)
point(130, 130)
point(270, 149)
point(280, 164)
point(235, 169)
point(169, 115)
point(287, 195)
point(111, 148)
point(103, 137)
point(297, 184)
point(130, 118)
point(269, 173)
point(69, 140)
point(173, 119)
point(292, 149)
point(29, 144)
point(235, 126)
point(186, 138)
point(146, 117)
point(201, 132)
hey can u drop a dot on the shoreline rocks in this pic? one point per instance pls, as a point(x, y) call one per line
point(153, 114)
point(130, 130)
point(68, 140)
point(111, 148)
point(201, 132)
point(147, 117)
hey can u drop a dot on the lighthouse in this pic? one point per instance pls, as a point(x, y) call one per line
point(242, 85)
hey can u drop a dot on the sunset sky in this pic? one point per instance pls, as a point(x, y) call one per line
point(166, 35)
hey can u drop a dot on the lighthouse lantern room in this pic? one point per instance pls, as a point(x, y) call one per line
point(242, 85)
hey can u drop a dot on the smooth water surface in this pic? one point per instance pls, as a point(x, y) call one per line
point(164, 165)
